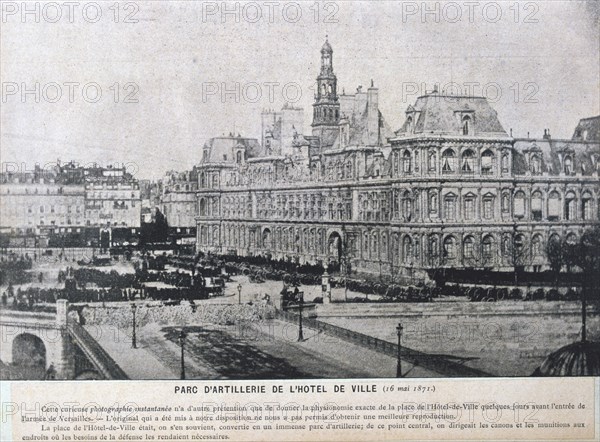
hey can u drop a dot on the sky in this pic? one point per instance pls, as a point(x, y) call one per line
point(146, 83)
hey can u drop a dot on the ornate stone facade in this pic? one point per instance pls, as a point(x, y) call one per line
point(450, 188)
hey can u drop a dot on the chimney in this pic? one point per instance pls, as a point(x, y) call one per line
point(546, 134)
point(373, 115)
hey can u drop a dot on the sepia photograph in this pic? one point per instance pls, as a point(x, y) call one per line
point(215, 191)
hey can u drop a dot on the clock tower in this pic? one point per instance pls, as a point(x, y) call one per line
point(326, 108)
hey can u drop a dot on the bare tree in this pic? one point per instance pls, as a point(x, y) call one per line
point(555, 252)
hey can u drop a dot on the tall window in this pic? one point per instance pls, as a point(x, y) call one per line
point(536, 206)
point(450, 207)
point(468, 247)
point(409, 125)
point(586, 207)
point(535, 165)
point(568, 165)
point(450, 248)
point(407, 206)
point(433, 203)
point(468, 161)
point(407, 250)
point(505, 202)
point(432, 161)
point(536, 246)
point(554, 206)
point(469, 207)
point(487, 249)
point(570, 206)
point(505, 162)
point(406, 162)
point(466, 125)
point(487, 162)
point(519, 204)
point(448, 161)
point(488, 207)
point(433, 250)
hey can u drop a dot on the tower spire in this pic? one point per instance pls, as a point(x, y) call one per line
point(326, 108)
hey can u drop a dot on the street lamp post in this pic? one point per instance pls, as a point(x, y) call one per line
point(300, 304)
point(182, 336)
point(133, 337)
point(399, 366)
point(239, 289)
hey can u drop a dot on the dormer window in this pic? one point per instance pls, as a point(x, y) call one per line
point(466, 125)
point(409, 125)
point(535, 165)
point(239, 156)
point(568, 166)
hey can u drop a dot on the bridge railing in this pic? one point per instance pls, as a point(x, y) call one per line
point(95, 353)
point(442, 364)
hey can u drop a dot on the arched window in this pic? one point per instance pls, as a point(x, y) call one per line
point(468, 161)
point(568, 165)
point(519, 204)
point(407, 205)
point(468, 248)
point(554, 206)
point(536, 205)
point(239, 156)
point(586, 207)
point(409, 125)
point(488, 206)
point(536, 246)
point(448, 161)
point(433, 250)
point(202, 207)
point(487, 249)
point(519, 246)
point(407, 250)
point(505, 162)
point(433, 203)
point(432, 162)
point(570, 206)
point(487, 162)
point(449, 248)
point(505, 202)
point(406, 162)
point(466, 125)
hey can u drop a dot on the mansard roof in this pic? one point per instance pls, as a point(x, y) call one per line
point(354, 108)
point(588, 129)
point(585, 156)
point(219, 147)
point(442, 114)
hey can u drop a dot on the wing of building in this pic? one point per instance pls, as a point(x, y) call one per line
point(68, 205)
point(450, 188)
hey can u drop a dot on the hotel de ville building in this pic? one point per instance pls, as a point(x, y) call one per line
point(449, 188)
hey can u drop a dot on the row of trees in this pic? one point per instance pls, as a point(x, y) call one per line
point(582, 256)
